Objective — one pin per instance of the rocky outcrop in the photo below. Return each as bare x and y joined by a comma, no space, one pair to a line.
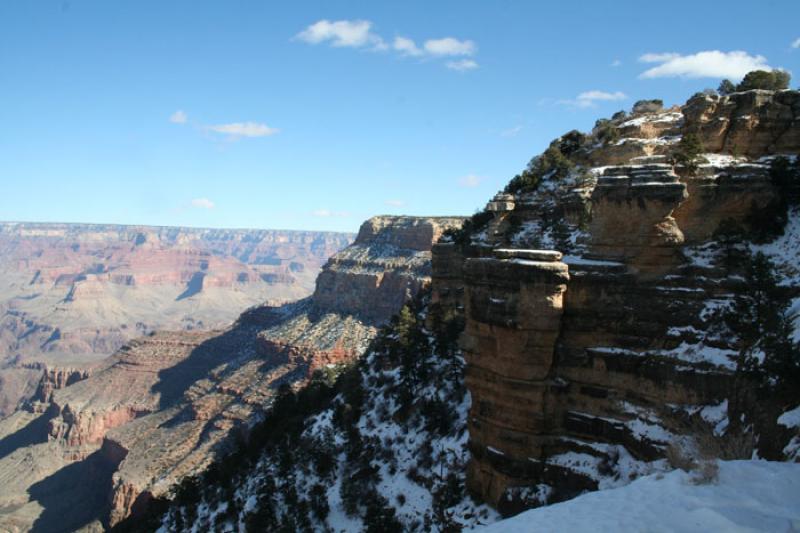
514,304
632,208
722,192
167,404
386,265
751,123
583,368
57,378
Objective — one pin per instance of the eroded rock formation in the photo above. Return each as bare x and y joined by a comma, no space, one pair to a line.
165,405
72,294
389,260
57,378
583,368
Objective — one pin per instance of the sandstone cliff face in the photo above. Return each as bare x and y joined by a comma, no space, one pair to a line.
583,368
751,123
57,378
632,216
388,262
165,405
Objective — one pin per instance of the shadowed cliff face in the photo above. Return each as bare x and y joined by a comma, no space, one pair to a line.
583,368
74,293
165,405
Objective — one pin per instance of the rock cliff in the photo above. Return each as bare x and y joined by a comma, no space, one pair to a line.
389,260
586,363
57,378
588,303
166,405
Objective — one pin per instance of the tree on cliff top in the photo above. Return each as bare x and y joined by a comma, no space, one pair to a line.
726,87
552,164
769,80
687,153
774,80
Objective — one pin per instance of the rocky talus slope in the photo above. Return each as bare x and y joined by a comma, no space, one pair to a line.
166,405
72,294
586,360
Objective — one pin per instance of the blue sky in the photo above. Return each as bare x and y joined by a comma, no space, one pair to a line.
317,115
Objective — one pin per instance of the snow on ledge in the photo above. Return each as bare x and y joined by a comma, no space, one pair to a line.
671,116
577,260
749,496
790,419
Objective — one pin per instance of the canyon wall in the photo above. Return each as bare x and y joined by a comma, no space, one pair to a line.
72,294
389,260
165,405
586,363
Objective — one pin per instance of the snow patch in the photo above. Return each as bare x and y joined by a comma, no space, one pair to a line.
749,496
790,419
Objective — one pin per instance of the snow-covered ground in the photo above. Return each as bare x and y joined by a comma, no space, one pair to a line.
785,250
785,253
749,496
355,461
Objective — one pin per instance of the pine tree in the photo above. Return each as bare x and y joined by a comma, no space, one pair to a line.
770,80
380,517
687,153
785,176
726,87
730,235
760,318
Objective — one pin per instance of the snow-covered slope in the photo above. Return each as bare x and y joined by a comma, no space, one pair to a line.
749,496
384,450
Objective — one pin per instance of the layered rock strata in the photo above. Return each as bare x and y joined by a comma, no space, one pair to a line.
584,368
57,378
388,262
514,304
167,404
72,294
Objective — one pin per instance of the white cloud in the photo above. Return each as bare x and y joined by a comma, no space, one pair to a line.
462,65
178,117
359,34
601,95
470,181
202,203
449,46
406,46
658,58
707,64
590,98
342,33
616,63
327,213
244,129
796,43
395,203
511,132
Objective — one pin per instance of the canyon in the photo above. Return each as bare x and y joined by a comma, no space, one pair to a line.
167,404
561,341
571,342
73,294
